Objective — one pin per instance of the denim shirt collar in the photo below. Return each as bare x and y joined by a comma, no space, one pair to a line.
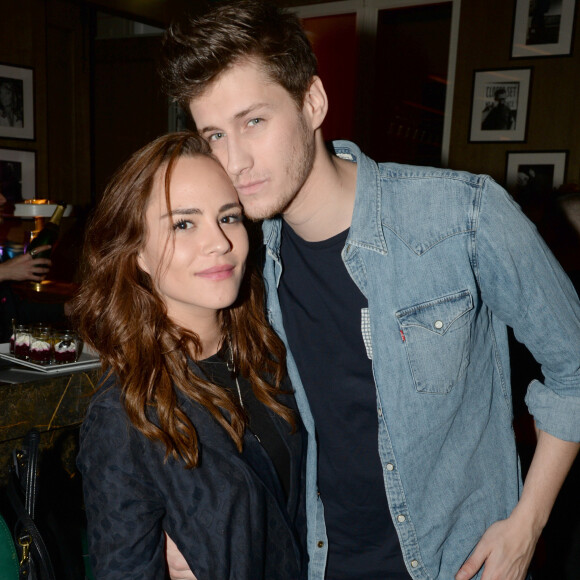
365,228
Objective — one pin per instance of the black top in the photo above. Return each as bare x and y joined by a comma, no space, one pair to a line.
322,310
259,419
228,516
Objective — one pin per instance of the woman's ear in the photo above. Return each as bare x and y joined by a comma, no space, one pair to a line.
315,103
142,263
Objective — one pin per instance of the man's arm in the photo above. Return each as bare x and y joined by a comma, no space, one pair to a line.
507,546
176,563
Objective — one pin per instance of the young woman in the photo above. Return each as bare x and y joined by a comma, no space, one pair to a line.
193,433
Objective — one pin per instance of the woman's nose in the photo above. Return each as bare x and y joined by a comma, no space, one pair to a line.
216,241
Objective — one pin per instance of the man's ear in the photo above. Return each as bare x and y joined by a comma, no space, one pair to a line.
315,103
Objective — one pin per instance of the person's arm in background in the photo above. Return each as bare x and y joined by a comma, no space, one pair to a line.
25,267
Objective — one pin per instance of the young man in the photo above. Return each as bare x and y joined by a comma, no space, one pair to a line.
392,287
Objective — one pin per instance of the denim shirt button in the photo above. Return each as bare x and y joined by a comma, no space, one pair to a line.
320,544
401,518
390,467
380,411
438,324
414,563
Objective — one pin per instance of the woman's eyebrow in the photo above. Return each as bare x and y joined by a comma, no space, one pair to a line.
233,205
182,211
197,211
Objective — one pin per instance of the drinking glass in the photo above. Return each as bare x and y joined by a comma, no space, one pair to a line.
22,339
40,345
66,347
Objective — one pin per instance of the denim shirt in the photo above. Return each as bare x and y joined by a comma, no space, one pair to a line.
446,260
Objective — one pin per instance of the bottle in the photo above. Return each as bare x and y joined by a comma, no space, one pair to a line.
49,233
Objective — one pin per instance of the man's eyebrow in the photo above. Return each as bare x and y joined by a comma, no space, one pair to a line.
237,116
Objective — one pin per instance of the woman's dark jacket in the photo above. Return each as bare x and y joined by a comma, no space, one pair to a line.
228,516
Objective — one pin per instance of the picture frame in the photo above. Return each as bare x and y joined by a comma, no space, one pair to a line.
499,107
543,28
16,102
538,171
17,174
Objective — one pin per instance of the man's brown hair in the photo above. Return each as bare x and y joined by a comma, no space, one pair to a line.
198,50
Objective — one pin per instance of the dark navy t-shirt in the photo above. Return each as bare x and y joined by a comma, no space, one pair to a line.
322,312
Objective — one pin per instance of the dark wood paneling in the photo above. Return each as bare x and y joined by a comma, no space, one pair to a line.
129,109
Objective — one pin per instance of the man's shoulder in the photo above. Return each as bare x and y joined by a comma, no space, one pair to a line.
412,178
421,174
424,205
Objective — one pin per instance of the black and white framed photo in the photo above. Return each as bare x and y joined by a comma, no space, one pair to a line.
17,174
16,102
533,173
543,28
499,107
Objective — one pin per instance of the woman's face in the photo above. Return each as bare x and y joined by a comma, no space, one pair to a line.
200,269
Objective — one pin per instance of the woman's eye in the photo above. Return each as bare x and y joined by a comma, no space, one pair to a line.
182,225
232,219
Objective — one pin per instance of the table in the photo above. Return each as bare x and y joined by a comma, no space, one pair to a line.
54,404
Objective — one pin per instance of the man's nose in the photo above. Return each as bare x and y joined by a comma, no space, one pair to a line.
239,157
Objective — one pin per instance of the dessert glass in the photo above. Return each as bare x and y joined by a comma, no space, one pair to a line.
22,337
66,347
40,345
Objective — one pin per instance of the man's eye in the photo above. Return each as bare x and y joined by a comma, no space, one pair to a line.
254,122
215,136
182,225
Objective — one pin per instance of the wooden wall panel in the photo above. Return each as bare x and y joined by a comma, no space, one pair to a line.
68,103
485,36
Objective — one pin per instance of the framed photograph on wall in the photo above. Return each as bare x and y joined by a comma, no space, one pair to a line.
543,28
17,174
499,107
16,102
532,173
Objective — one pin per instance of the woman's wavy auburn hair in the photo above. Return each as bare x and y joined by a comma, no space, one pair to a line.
119,313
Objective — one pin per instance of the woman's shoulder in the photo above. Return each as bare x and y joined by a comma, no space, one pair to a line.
105,413
107,395
107,435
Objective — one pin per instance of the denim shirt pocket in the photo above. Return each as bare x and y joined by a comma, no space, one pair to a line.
436,335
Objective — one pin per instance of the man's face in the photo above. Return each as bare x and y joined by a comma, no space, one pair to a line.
259,136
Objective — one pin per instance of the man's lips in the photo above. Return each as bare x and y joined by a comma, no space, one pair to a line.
250,187
217,272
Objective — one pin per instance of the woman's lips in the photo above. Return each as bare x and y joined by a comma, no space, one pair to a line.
217,272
